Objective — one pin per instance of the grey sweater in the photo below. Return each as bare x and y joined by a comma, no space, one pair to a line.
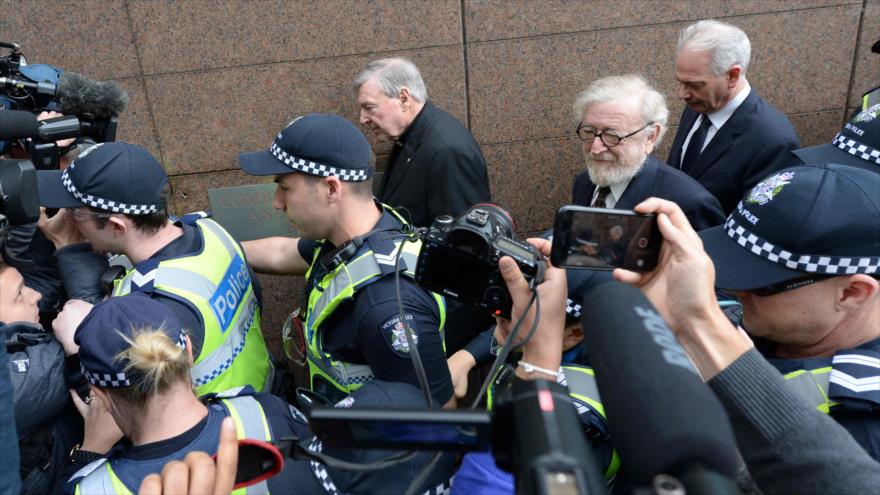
788,446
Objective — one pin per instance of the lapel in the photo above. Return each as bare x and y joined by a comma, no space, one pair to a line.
639,187
734,126
411,139
688,117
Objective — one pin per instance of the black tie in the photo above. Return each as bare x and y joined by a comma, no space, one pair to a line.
695,146
601,194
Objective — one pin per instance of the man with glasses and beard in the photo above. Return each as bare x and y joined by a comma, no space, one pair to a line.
620,119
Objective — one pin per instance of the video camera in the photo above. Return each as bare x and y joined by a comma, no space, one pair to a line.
551,456
459,258
90,108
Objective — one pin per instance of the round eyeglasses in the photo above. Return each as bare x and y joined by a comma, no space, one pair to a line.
588,135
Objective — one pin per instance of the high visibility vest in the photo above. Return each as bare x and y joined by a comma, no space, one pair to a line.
581,383
250,422
853,374
216,283
339,285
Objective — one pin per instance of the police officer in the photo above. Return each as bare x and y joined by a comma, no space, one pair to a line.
802,254
116,194
348,252
136,357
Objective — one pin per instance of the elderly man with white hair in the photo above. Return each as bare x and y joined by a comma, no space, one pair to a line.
436,167
620,119
729,137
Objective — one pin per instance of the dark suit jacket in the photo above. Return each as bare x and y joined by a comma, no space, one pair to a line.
746,149
662,181
437,169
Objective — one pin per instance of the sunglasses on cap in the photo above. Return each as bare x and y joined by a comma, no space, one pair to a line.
790,284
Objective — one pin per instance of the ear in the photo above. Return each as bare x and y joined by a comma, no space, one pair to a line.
733,75
857,290
573,336
405,98
119,225
651,141
333,188
189,350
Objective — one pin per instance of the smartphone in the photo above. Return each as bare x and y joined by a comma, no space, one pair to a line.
604,239
457,430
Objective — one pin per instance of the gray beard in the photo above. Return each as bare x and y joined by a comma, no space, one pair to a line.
604,173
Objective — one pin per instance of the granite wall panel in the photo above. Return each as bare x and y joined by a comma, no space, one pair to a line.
231,33
492,20
243,108
92,37
531,179
866,73
543,75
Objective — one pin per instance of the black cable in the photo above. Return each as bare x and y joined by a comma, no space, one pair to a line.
501,357
300,451
410,338
423,476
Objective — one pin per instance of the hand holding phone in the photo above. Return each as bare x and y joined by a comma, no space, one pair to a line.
604,239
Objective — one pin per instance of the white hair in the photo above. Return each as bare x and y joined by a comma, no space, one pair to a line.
392,75
626,87
727,43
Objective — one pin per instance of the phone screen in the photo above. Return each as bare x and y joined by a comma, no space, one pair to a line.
603,239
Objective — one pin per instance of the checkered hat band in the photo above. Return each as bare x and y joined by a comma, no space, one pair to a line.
856,148
572,308
811,263
119,379
313,168
101,203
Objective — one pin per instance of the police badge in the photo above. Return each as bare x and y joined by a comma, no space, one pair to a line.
764,192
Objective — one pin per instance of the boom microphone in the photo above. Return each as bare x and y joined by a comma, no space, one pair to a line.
78,95
663,418
17,124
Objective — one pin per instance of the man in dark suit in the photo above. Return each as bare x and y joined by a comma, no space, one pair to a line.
621,118
436,167
728,138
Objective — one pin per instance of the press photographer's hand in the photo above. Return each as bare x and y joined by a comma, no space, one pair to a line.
545,347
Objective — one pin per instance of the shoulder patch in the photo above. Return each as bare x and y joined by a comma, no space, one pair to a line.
395,335
21,365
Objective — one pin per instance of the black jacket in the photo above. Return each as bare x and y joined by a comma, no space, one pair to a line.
742,152
436,168
662,181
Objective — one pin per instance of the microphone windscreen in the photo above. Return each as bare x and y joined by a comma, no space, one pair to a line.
17,124
78,95
661,415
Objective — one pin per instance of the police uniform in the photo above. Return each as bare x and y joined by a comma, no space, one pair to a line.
352,320
203,273
201,276
845,386
257,416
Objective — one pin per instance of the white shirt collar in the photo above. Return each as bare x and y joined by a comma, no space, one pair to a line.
718,118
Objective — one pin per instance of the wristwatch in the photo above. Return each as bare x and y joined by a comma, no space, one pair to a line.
79,456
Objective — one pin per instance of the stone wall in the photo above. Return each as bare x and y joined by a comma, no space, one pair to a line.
209,79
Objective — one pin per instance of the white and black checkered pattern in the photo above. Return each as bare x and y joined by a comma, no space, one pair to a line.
811,263
856,148
313,168
119,379
572,308
106,380
101,203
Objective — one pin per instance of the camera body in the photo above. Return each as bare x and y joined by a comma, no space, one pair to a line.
459,258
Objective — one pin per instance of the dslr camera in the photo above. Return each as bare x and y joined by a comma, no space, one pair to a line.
459,258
